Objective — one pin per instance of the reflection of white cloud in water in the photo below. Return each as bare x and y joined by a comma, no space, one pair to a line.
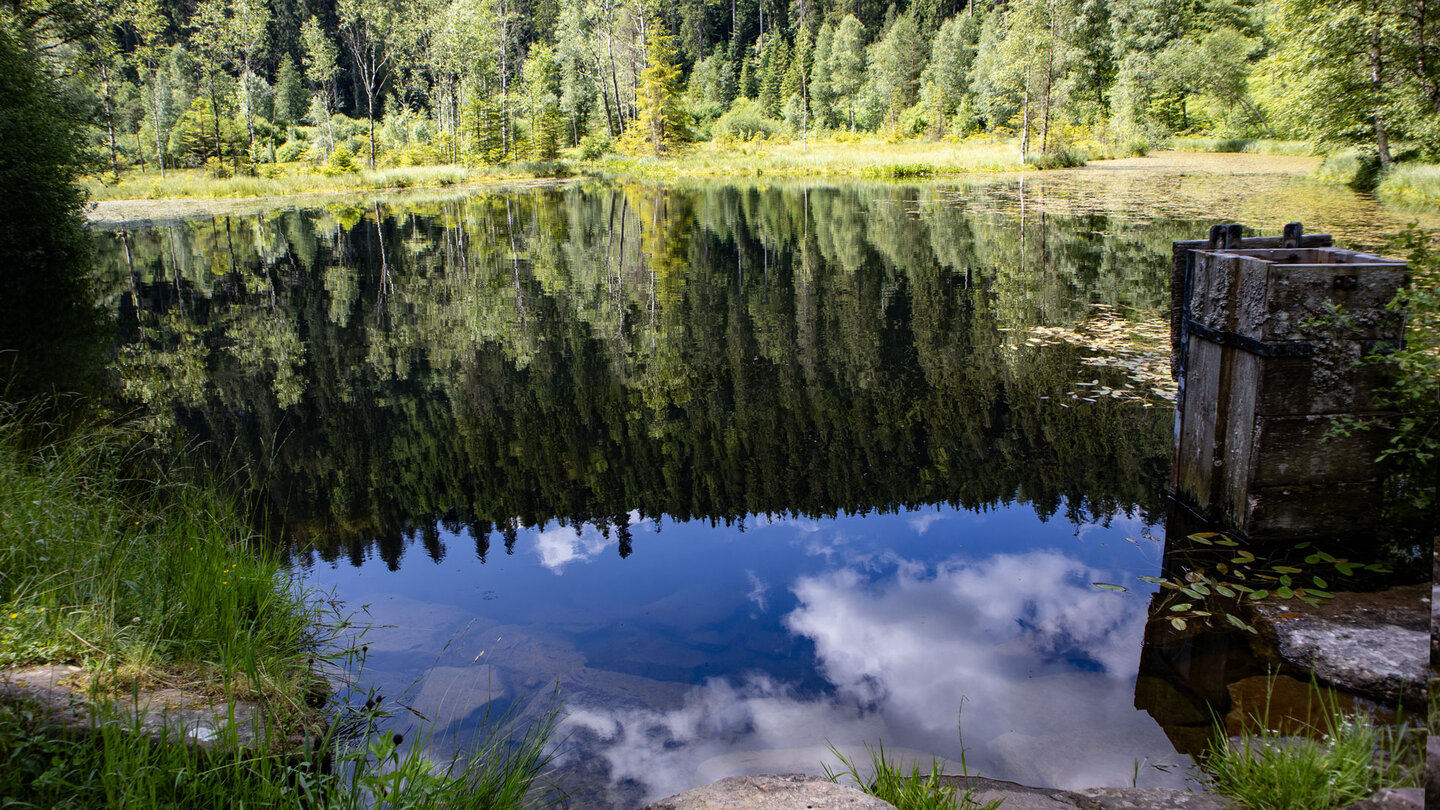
558,546
1045,662
758,589
671,751
921,523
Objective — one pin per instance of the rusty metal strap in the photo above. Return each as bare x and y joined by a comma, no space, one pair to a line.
1248,344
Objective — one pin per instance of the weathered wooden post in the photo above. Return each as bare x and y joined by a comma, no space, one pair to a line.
1269,335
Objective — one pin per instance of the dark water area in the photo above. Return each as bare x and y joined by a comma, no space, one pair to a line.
743,470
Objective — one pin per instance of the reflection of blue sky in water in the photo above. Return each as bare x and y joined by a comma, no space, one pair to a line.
712,651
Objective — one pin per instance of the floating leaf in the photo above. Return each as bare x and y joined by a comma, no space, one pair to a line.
1105,586
1285,569
1313,559
1325,557
1203,538
1200,586
1346,568
1320,593
1224,591
1284,592
1192,593
1242,557
1225,541
1286,581
1178,623
1222,568
1152,580
1182,606
1233,619
1242,588
1260,594
1319,583
1305,544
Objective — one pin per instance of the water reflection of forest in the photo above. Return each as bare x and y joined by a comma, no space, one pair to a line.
585,352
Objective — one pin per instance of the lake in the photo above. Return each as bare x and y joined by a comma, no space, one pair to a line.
742,470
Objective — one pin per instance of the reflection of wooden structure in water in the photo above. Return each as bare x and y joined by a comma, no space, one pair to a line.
1268,336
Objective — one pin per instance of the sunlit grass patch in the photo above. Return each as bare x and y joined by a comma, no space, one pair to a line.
287,178
871,158
1412,183
1258,146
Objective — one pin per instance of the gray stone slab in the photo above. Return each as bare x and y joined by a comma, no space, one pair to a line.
1373,644
1392,799
170,715
1012,796
772,792
1148,799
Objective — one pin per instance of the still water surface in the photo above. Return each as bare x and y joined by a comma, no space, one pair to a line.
742,470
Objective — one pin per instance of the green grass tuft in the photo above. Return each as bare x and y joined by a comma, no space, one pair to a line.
1270,771
912,791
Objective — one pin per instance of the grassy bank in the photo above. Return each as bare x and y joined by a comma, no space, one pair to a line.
1409,182
292,178
1255,146
1415,183
140,581
1347,761
148,580
855,158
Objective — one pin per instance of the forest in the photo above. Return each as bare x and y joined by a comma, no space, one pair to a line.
242,85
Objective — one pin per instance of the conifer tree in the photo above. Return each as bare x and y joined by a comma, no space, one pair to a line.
773,67
663,119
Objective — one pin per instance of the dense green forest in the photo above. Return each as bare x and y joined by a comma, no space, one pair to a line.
237,84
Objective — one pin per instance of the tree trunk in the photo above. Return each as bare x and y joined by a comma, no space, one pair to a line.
110,120
249,112
1377,84
1045,108
215,111
155,107
1025,123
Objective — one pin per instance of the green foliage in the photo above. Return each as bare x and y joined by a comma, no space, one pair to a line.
594,147
1411,183
51,335
743,122
1058,159
663,120
353,765
913,791
162,578
1414,447
1268,771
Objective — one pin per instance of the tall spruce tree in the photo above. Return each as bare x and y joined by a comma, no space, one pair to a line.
663,121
